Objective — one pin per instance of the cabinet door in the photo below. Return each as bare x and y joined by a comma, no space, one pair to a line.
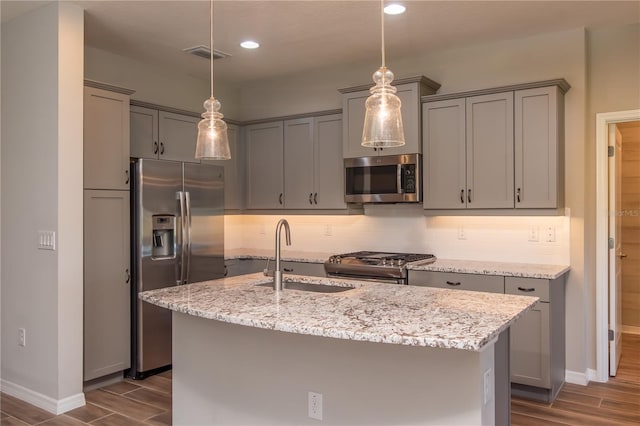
444,158
530,348
106,139
353,107
144,132
329,164
233,171
107,287
536,148
490,151
298,163
178,137
458,281
304,268
265,166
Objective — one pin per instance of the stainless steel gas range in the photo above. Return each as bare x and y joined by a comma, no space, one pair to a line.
374,265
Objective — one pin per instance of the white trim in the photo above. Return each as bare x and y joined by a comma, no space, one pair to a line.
55,406
578,378
601,374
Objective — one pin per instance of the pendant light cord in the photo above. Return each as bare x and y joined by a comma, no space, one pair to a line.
211,45
382,26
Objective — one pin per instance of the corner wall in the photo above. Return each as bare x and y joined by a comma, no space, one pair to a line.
42,190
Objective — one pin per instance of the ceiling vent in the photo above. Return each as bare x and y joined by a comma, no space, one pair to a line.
205,52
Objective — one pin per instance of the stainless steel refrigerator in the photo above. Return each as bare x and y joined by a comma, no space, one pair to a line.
177,238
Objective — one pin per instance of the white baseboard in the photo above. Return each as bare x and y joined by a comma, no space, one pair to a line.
576,377
55,406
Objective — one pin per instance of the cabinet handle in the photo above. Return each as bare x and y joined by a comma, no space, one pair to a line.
469,195
287,269
622,255
155,147
527,290
315,198
226,271
462,196
452,283
126,177
280,198
127,276
161,148
518,195
311,198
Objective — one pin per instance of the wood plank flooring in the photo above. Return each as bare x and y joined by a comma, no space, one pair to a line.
616,402
128,403
148,402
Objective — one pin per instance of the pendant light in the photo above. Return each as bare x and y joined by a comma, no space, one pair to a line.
383,119
213,142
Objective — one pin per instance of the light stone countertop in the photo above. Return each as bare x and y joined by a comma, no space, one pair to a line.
371,312
507,269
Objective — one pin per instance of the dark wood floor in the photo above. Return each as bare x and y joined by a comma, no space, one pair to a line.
148,402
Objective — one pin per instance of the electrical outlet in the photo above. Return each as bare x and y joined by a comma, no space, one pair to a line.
534,233
462,234
261,230
22,337
328,230
488,385
550,234
315,405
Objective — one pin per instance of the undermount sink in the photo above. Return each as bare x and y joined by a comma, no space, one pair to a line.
316,288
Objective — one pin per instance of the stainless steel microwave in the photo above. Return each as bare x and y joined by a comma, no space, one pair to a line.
383,179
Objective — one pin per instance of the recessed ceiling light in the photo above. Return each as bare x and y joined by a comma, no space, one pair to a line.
394,9
250,44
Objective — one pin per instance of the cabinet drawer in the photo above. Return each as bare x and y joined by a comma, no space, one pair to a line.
454,280
527,287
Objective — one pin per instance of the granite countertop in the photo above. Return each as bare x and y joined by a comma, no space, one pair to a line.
507,269
371,312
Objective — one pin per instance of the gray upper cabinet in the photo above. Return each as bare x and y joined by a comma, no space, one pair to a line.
295,164
163,135
298,163
539,148
353,111
106,139
468,152
265,165
490,151
495,150
233,171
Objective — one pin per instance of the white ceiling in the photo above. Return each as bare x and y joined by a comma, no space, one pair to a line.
301,35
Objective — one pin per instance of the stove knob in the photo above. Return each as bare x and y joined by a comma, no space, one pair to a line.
384,262
337,259
400,262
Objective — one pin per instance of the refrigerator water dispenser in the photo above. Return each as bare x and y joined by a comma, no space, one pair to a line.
164,237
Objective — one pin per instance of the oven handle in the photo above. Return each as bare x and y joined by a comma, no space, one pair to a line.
369,279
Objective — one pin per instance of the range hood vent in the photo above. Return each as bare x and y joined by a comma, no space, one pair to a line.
205,52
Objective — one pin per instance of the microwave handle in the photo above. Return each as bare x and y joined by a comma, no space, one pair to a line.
399,179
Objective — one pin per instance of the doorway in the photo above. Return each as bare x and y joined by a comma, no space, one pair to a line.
621,119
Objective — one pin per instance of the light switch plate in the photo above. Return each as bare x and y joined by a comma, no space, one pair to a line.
46,240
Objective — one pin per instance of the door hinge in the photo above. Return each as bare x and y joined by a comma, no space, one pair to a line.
611,335
612,243
611,150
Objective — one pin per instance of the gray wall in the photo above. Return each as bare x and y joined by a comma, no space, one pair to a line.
42,55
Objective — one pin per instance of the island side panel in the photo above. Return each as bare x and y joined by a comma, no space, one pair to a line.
230,374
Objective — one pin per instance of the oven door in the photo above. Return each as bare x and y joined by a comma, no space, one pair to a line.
384,179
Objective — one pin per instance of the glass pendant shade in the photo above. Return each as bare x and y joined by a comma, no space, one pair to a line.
383,119
213,142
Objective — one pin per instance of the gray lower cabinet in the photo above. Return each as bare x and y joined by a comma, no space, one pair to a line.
457,281
537,339
303,268
107,286
237,267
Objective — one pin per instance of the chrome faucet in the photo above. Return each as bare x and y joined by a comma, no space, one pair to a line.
277,273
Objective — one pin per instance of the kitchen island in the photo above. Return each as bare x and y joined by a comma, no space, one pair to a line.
378,353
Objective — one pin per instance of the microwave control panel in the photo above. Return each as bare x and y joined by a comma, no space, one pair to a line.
409,178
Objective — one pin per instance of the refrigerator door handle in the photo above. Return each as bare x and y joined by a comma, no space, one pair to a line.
187,226
183,240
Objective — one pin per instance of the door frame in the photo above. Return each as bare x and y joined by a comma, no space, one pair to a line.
602,235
